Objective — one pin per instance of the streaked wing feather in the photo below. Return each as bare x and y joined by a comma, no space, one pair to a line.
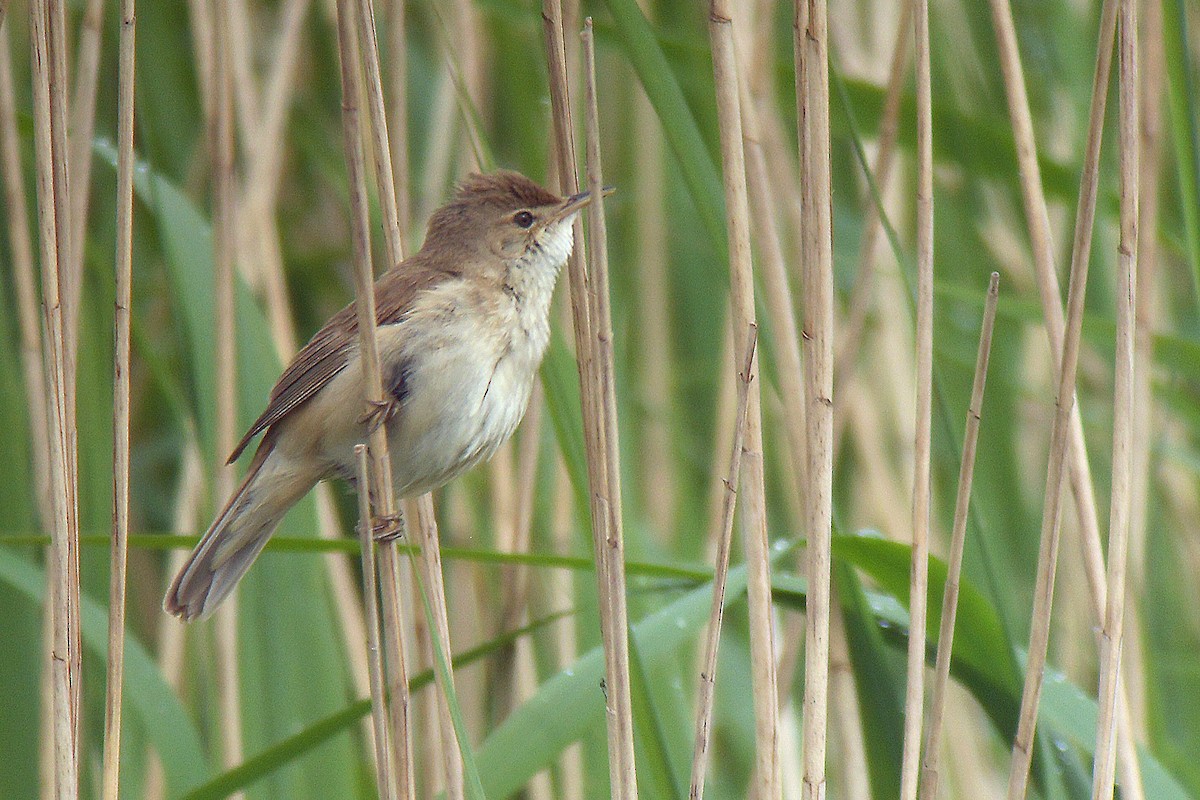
328,352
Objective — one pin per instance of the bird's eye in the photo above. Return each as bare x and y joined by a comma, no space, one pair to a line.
523,219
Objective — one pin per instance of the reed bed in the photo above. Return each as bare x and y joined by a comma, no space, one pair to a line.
760,328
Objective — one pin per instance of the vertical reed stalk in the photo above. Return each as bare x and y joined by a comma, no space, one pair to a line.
83,124
115,679
766,781
918,592
384,775
658,468
962,505
1111,641
1038,221
712,638
603,504
398,127
431,574
1060,432
221,144
54,231
351,80
394,252
605,389
812,97
24,282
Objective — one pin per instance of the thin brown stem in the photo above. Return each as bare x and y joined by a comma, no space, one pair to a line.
812,97
53,231
384,775
1111,635
351,79
115,679
918,592
712,638
966,475
1060,432
766,781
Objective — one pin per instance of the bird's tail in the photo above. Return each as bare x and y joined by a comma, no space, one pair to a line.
236,537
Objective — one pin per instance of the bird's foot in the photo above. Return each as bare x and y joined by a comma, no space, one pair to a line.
387,528
379,413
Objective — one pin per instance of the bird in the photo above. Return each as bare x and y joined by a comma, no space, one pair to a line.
461,326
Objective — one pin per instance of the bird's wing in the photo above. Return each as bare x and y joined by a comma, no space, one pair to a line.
329,350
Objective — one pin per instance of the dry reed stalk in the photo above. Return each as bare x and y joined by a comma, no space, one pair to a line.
889,128
712,638
847,717
83,123
1153,68
778,293
1022,745
1111,641
378,129
384,774
23,278
430,564
962,504
605,388
722,432
398,126
561,594
53,227
435,587
918,592
812,97
607,544
224,223
1037,219
766,780
115,678
351,79
657,467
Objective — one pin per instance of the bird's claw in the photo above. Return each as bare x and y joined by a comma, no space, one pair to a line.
387,528
379,413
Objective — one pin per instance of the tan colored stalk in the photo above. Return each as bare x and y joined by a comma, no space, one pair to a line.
200,27
962,505
1111,641
778,293
918,591
426,521
1153,68
83,123
384,775
378,129
766,780
657,467
847,717
23,278
712,638
115,677
605,388
812,96
561,593
398,126
430,563
383,493
722,432
604,503
1037,218
53,231
1063,428
221,145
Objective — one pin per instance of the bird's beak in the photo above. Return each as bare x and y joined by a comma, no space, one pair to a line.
577,201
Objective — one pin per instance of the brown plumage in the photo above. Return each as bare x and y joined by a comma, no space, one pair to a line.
462,327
